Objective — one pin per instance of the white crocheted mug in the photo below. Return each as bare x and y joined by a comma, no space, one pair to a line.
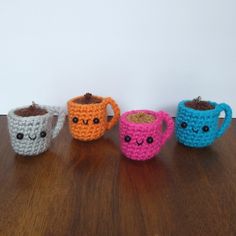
33,135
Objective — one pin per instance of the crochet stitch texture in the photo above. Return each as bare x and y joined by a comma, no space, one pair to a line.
89,121
144,140
195,128
33,135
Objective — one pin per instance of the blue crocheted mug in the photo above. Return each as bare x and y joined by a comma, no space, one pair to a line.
200,128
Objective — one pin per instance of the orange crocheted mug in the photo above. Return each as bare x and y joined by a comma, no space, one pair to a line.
88,120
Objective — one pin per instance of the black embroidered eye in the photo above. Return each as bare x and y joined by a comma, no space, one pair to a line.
127,139
184,125
205,128
43,134
96,120
20,136
75,120
149,140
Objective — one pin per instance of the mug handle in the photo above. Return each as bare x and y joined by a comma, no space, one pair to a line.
169,126
228,117
61,113
116,110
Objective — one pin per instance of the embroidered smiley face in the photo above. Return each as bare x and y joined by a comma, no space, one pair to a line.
32,137
195,129
87,125
86,121
141,144
36,133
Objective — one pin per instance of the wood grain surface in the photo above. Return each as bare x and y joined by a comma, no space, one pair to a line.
79,188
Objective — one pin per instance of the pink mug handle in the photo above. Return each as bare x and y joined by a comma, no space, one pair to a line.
169,126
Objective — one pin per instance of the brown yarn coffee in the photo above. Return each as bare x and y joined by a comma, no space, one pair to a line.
88,98
141,117
197,104
32,110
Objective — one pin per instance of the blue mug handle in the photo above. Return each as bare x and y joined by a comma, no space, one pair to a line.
228,117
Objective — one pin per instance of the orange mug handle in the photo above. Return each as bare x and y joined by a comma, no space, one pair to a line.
116,110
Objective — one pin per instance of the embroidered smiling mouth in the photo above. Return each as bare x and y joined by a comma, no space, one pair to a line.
139,143
32,138
85,122
195,130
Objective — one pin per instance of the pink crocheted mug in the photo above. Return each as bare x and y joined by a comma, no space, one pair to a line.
142,141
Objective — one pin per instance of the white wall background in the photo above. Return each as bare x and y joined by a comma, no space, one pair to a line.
144,53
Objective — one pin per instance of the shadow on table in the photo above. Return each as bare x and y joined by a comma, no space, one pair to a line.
192,163
145,176
93,153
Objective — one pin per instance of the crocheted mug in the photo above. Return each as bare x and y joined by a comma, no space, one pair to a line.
142,141
89,121
32,135
199,128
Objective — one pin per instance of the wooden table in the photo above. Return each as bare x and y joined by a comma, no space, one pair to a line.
83,189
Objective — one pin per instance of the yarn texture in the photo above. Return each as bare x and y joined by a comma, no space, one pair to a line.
33,135
144,140
89,121
196,128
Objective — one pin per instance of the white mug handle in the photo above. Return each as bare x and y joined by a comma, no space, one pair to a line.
61,113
